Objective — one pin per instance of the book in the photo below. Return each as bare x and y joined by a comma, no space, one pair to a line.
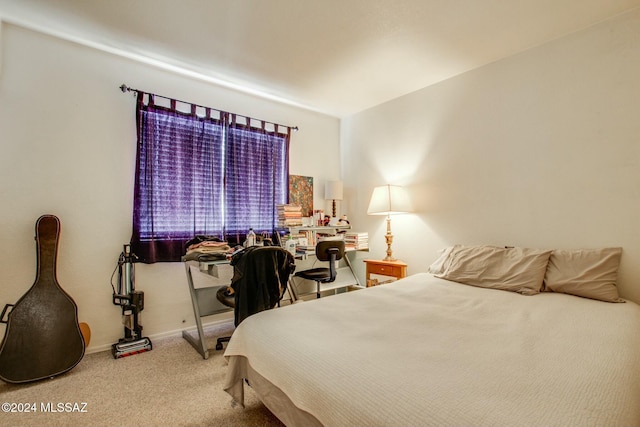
356,240
289,215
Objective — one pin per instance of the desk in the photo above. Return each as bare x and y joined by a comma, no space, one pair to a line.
345,278
205,303
397,269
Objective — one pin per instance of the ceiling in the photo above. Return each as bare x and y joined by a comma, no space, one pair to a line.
333,56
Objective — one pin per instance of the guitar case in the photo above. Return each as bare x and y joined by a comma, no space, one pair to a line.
42,338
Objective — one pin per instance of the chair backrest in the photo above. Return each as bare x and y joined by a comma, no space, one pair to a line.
326,248
260,278
332,251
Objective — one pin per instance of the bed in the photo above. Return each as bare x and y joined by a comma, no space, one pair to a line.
427,350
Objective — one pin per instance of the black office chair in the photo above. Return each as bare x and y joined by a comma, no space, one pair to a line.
260,279
327,250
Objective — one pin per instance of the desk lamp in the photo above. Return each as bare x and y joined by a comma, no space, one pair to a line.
333,191
389,200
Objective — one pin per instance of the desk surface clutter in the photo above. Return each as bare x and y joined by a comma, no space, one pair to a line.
206,255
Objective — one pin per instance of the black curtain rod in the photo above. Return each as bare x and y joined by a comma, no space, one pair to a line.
124,88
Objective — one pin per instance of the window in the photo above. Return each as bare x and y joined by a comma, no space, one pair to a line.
203,175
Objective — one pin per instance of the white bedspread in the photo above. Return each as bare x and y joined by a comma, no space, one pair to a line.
425,351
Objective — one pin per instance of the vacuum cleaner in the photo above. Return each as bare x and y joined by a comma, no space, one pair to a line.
132,303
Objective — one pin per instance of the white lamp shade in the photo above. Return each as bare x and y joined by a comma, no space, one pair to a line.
389,200
333,190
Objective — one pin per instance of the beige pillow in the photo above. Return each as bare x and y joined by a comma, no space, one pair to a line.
513,269
441,263
589,273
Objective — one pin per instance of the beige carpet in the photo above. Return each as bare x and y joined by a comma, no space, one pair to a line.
172,385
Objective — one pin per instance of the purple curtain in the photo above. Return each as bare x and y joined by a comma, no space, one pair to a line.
183,161
257,165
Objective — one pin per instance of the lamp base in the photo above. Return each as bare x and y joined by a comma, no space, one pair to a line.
389,239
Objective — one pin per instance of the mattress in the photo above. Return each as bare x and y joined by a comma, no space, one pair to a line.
427,351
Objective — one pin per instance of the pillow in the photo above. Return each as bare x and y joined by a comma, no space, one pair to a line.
439,265
589,273
519,270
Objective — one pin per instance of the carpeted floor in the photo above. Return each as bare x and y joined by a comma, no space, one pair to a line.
172,385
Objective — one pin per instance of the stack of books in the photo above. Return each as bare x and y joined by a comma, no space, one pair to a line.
306,237
289,216
305,249
354,240
304,246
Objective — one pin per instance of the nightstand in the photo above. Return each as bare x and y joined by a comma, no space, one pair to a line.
397,269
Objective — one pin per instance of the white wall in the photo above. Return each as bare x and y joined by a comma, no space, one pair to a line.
67,138
540,149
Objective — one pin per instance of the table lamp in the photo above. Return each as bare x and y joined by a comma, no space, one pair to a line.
389,200
333,191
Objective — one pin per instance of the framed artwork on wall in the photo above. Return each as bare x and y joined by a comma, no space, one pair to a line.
301,193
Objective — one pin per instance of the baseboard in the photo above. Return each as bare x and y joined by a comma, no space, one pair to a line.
167,334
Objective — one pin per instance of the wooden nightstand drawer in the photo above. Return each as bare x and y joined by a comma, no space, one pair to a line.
385,270
397,269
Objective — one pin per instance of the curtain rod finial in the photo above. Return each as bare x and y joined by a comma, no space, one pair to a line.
124,88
